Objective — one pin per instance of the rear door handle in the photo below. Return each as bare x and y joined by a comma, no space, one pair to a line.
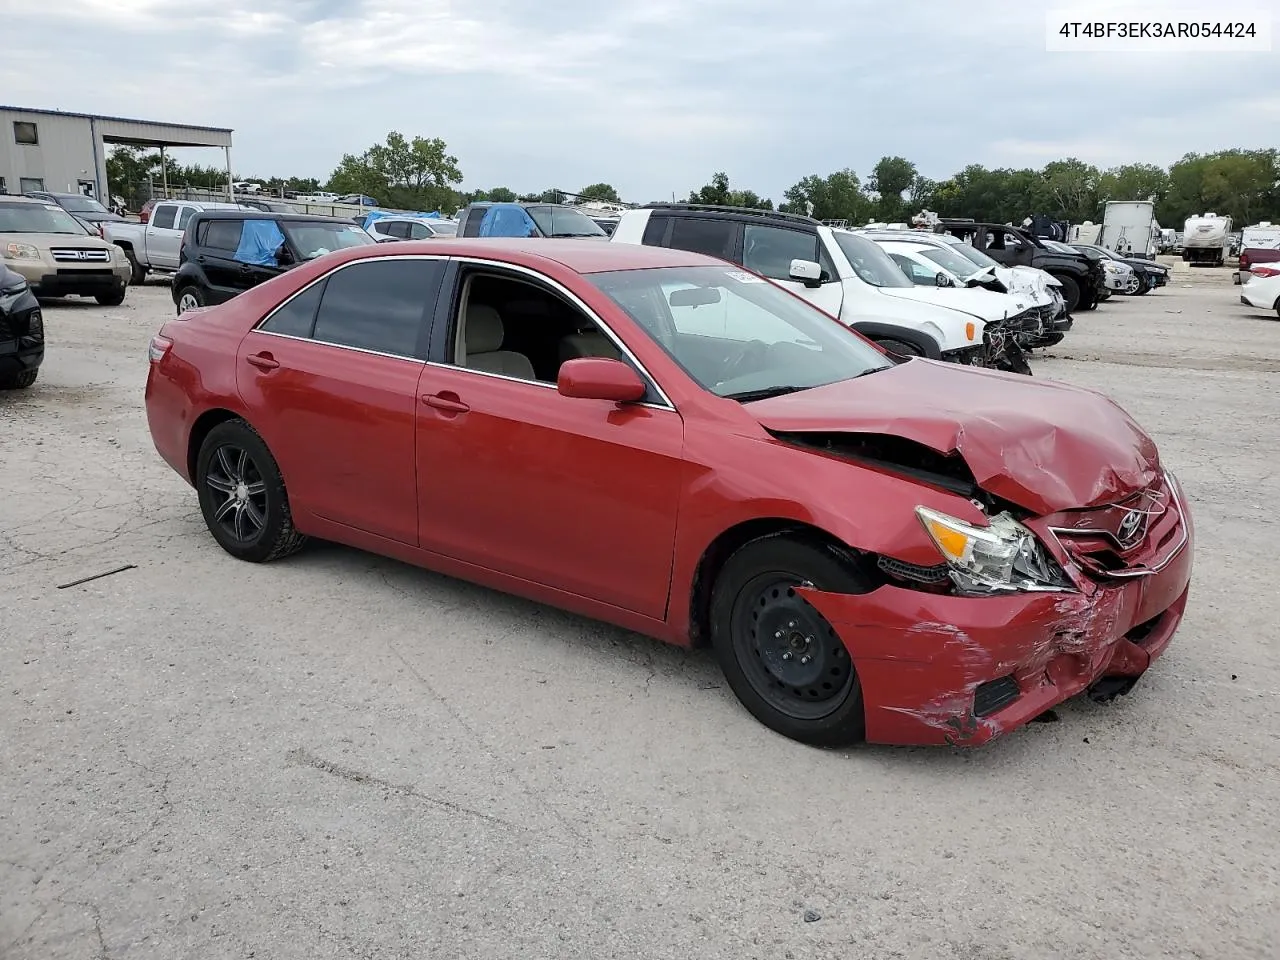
448,404
263,361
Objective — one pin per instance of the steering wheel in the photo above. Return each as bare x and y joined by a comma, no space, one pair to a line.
739,363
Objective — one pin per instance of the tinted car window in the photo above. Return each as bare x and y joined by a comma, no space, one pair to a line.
222,235
187,213
420,231
655,231
379,305
712,237
770,250
164,216
297,317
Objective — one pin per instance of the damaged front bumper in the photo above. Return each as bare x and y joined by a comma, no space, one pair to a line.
962,670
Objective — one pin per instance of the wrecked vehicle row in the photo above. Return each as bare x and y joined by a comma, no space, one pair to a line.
875,546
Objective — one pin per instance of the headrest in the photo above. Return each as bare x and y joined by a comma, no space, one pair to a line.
483,331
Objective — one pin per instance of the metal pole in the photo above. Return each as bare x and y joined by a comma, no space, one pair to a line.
231,193
164,173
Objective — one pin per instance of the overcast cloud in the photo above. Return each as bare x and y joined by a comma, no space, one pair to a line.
652,96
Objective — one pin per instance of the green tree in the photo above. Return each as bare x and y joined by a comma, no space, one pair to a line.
496,195
128,168
891,178
418,173
837,196
1071,185
719,193
600,191
1134,181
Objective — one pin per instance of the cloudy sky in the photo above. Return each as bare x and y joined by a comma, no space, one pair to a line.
652,96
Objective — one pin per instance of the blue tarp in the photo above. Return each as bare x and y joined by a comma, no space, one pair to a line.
379,214
507,220
259,241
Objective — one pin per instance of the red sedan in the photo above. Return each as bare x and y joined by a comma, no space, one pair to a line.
897,550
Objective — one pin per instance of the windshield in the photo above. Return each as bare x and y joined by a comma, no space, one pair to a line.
737,335
952,260
870,262
77,204
564,222
972,254
316,239
38,218
1059,247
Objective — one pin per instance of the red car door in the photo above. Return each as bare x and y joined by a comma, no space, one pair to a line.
578,495
330,381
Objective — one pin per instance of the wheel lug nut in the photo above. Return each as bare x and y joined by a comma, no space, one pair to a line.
792,624
787,655
805,659
778,635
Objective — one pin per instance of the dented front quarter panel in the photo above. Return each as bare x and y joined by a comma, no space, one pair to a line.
920,657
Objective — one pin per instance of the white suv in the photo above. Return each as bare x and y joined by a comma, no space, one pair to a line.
844,274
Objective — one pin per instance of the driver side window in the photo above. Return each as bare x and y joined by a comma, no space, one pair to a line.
914,271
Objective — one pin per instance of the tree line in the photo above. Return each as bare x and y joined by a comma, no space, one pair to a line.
419,173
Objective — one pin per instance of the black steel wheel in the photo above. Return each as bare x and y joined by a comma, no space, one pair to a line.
781,657
242,495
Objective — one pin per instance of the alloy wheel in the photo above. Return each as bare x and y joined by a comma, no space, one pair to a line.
239,493
187,302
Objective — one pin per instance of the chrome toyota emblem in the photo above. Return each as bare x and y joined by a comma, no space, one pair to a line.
1130,528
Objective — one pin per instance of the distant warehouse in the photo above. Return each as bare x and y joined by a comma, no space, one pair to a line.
61,152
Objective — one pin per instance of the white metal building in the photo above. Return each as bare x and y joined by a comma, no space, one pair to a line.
67,152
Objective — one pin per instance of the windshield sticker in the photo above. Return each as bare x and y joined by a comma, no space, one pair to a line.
742,277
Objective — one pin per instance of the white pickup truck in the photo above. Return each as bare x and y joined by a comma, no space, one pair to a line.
153,247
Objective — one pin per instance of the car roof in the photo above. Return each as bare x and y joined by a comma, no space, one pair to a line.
254,214
14,198
579,255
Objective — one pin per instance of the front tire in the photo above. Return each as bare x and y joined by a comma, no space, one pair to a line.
137,272
780,656
242,495
112,299
900,348
1070,292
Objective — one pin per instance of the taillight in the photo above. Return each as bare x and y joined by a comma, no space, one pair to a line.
1244,260
144,216
1265,272
158,347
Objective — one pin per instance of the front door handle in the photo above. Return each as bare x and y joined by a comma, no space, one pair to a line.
263,361
245,268
446,402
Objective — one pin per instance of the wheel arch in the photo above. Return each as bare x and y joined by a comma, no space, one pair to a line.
201,428
873,330
729,541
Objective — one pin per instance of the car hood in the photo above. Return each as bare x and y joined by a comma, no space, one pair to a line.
975,301
46,240
1043,445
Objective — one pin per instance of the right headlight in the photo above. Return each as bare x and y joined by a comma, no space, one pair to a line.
1000,557
21,251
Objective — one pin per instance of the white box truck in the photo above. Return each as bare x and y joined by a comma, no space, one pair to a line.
1087,232
1206,239
1129,228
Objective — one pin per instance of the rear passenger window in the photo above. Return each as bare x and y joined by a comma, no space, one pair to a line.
297,317
379,305
164,216
222,235
420,231
655,231
712,237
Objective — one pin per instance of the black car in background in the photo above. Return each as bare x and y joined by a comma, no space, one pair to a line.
1149,273
225,252
1082,280
85,209
21,332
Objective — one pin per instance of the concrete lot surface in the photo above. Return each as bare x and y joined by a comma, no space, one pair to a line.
342,756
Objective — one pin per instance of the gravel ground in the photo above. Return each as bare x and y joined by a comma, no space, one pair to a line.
342,756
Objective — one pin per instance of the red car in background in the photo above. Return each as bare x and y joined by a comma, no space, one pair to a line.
901,551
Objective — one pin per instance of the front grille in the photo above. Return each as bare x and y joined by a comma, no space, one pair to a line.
79,255
1133,537
913,571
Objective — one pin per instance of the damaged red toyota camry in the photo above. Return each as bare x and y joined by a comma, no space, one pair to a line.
900,551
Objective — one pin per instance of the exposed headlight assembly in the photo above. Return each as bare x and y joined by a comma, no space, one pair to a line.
1001,557
21,251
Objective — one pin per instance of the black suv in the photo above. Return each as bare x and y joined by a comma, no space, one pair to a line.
1082,280
225,252
21,332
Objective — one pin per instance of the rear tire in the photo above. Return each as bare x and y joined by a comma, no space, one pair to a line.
242,495
1070,292
19,381
780,656
190,297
